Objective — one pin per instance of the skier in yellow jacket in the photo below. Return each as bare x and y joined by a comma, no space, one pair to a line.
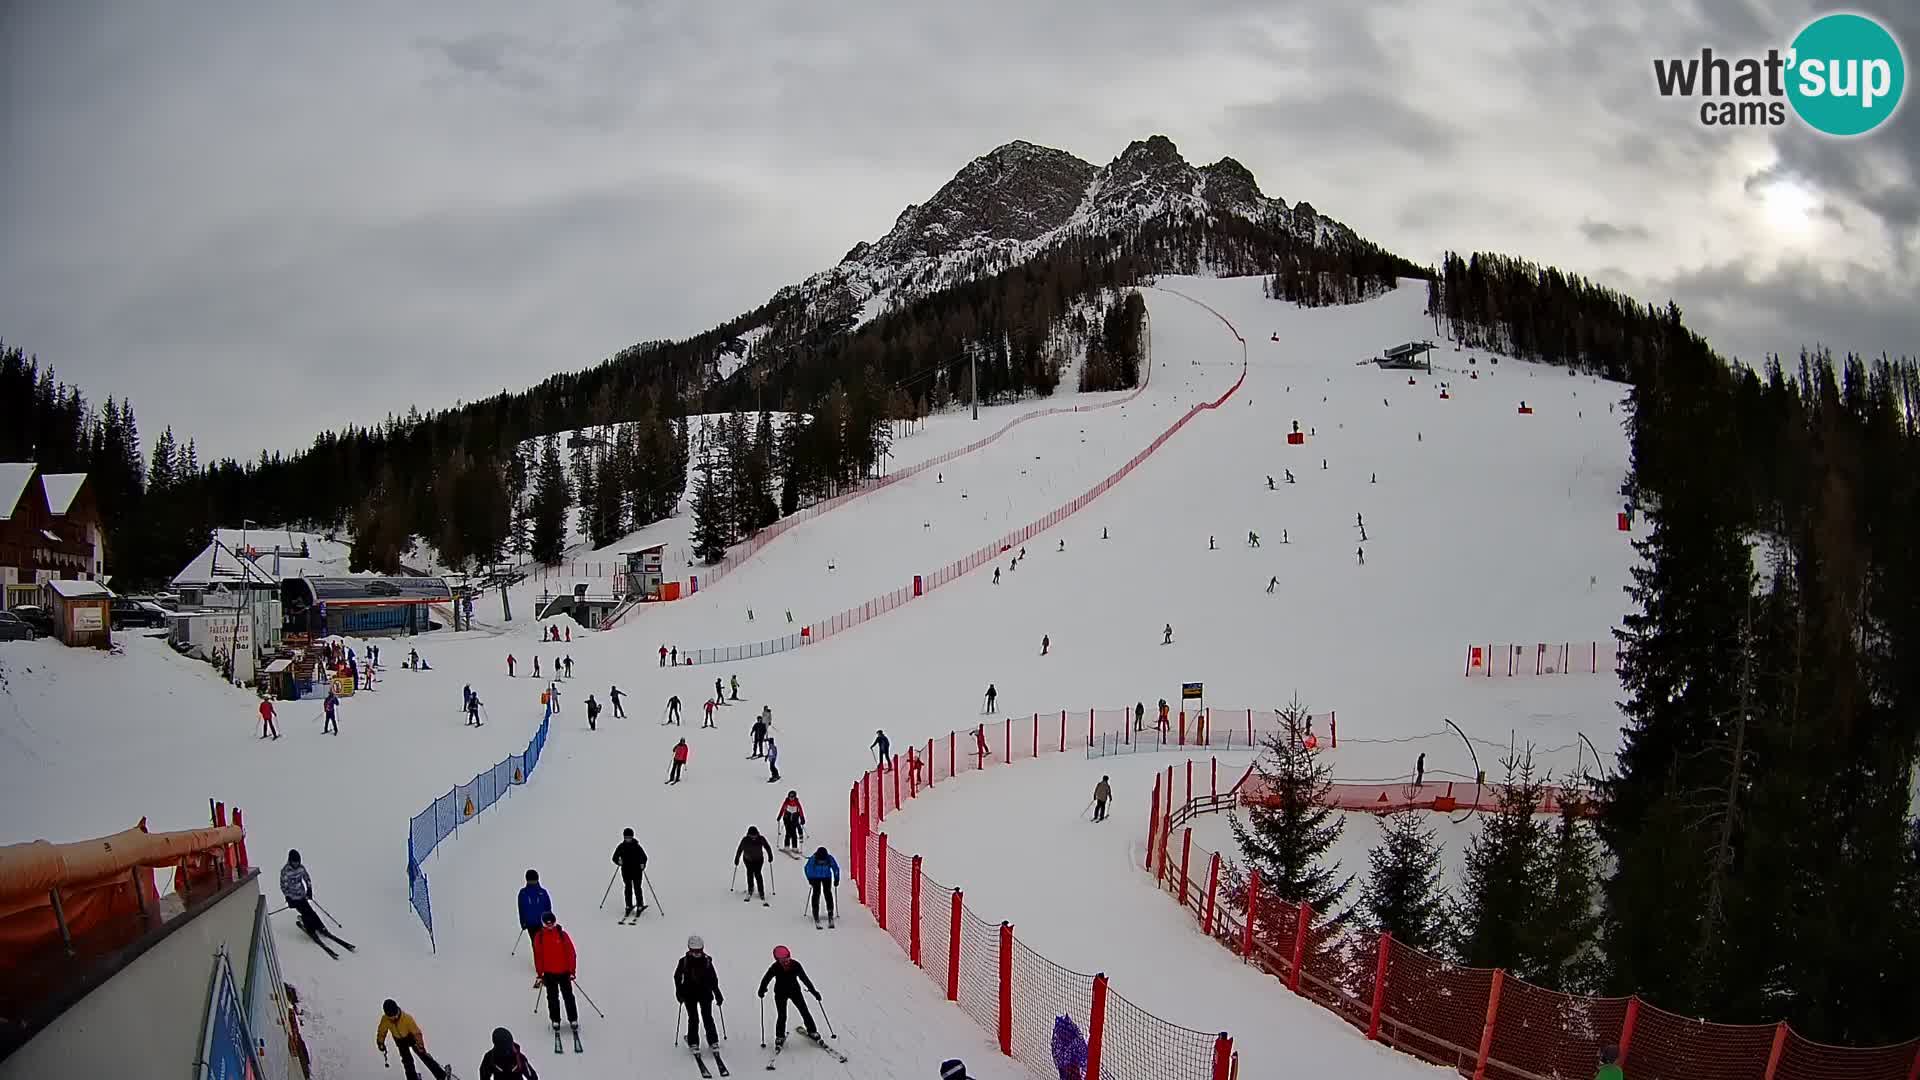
409,1038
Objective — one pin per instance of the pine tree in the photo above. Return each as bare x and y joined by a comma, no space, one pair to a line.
585,490
550,501
1567,940
1505,875
1403,894
1287,835
710,536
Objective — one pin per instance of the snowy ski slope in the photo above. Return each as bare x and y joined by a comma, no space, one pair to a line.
1483,526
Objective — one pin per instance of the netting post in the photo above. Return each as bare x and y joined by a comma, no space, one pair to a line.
1633,1017
896,783
952,737
1486,1031
1036,734
1186,852
1213,784
1249,729
1379,987
1153,820
1222,1056
1006,989
1183,726
913,912
856,849
1299,944
1090,745
1096,1025
1333,727
879,792
1779,1047
1253,912
880,912
1006,739
932,765
953,948
1213,889
1189,782
1063,731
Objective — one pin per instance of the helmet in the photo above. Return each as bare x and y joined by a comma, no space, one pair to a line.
293,856
550,919
753,830
502,1039
695,943
390,1007
533,875
781,952
628,833
953,1069
793,794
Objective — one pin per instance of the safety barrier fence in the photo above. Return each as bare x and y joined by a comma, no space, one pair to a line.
448,812
925,583
708,576
1543,658
1481,1022
1015,994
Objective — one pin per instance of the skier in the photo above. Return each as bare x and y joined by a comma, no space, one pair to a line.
569,662
1103,532
534,903
1283,537
673,654
593,713
696,985
1139,714
709,721
663,656
773,761
1063,545
1209,543
631,858
980,742
1360,553
1045,644
408,1039
1420,770
1271,582
1289,473
759,730
1163,716
1610,1064
1102,795
569,639
331,707
996,575
556,962
614,695
821,869
680,755
267,727
753,850
1166,635
296,887
510,673
1253,539
787,976
673,709
505,1061
473,711
880,743
733,684
1269,482
792,819
992,694
536,665
719,692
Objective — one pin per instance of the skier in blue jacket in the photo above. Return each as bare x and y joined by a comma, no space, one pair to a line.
822,871
534,903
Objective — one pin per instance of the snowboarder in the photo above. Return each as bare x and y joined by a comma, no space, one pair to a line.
773,761
673,709
505,1061
267,727
534,903
733,684
696,985
980,743
473,710
1139,714
331,707
822,869
407,1038
759,730
1163,725
1166,635
1103,532
1253,539
1359,521
1271,582
680,755
1373,478
709,720
1283,537
614,695
593,713
510,673
1289,473
296,887
753,850
787,976
1045,644
569,639
792,818
880,743
556,962
1420,770
1102,795
992,695
1063,545
631,858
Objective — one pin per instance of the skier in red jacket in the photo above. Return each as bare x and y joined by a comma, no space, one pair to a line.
680,755
792,820
555,960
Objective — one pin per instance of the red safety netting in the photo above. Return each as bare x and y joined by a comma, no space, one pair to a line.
1141,1046
900,900
980,970
936,926
1043,990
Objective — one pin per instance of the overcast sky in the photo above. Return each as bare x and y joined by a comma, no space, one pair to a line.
262,219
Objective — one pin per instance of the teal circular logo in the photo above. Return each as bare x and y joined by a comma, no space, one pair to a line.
1847,74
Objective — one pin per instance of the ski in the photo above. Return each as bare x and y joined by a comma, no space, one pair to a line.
822,1044
721,1063
777,1047
557,1048
342,942
702,1062
577,1048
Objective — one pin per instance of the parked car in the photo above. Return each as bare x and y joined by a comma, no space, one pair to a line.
14,628
35,616
126,611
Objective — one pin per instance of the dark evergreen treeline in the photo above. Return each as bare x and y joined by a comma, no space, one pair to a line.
1519,308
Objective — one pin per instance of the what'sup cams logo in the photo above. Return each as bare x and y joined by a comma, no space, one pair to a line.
1843,75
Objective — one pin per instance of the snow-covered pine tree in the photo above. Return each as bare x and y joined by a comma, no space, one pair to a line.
1288,838
1403,894
710,536
1496,914
550,501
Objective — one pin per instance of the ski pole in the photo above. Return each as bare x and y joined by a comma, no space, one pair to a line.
763,1022
275,911
733,882
516,942
824,1016
1084,812
589,997
723,1021
648,879
535,1011
328,914
384,1063
609,889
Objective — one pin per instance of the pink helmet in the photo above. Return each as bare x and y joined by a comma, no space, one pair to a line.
781,952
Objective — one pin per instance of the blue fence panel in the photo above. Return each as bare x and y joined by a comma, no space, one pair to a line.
421,834
422,902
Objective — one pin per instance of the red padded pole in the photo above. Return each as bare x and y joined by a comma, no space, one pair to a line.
914,914
1006,989
881,912
1222,1057
1186,853
1486,1032
1379,986
1779,1047
1213,891
1096,1026
1253,912
953,948
1299,946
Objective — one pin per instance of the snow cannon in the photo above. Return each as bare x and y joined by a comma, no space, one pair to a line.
1294,437
1526,409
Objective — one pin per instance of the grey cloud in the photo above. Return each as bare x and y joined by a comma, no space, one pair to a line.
1353,117
491,55
1606,232
1750,314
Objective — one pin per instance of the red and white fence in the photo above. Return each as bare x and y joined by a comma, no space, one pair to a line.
1543,658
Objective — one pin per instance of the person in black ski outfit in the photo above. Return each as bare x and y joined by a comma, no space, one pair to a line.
505,1061
631,858
753,850
614,695
787,976
696,985
296,887
673,709
884,747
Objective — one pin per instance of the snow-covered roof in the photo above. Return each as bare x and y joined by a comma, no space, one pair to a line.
14,478
218,563
61,489
268,539
70,589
